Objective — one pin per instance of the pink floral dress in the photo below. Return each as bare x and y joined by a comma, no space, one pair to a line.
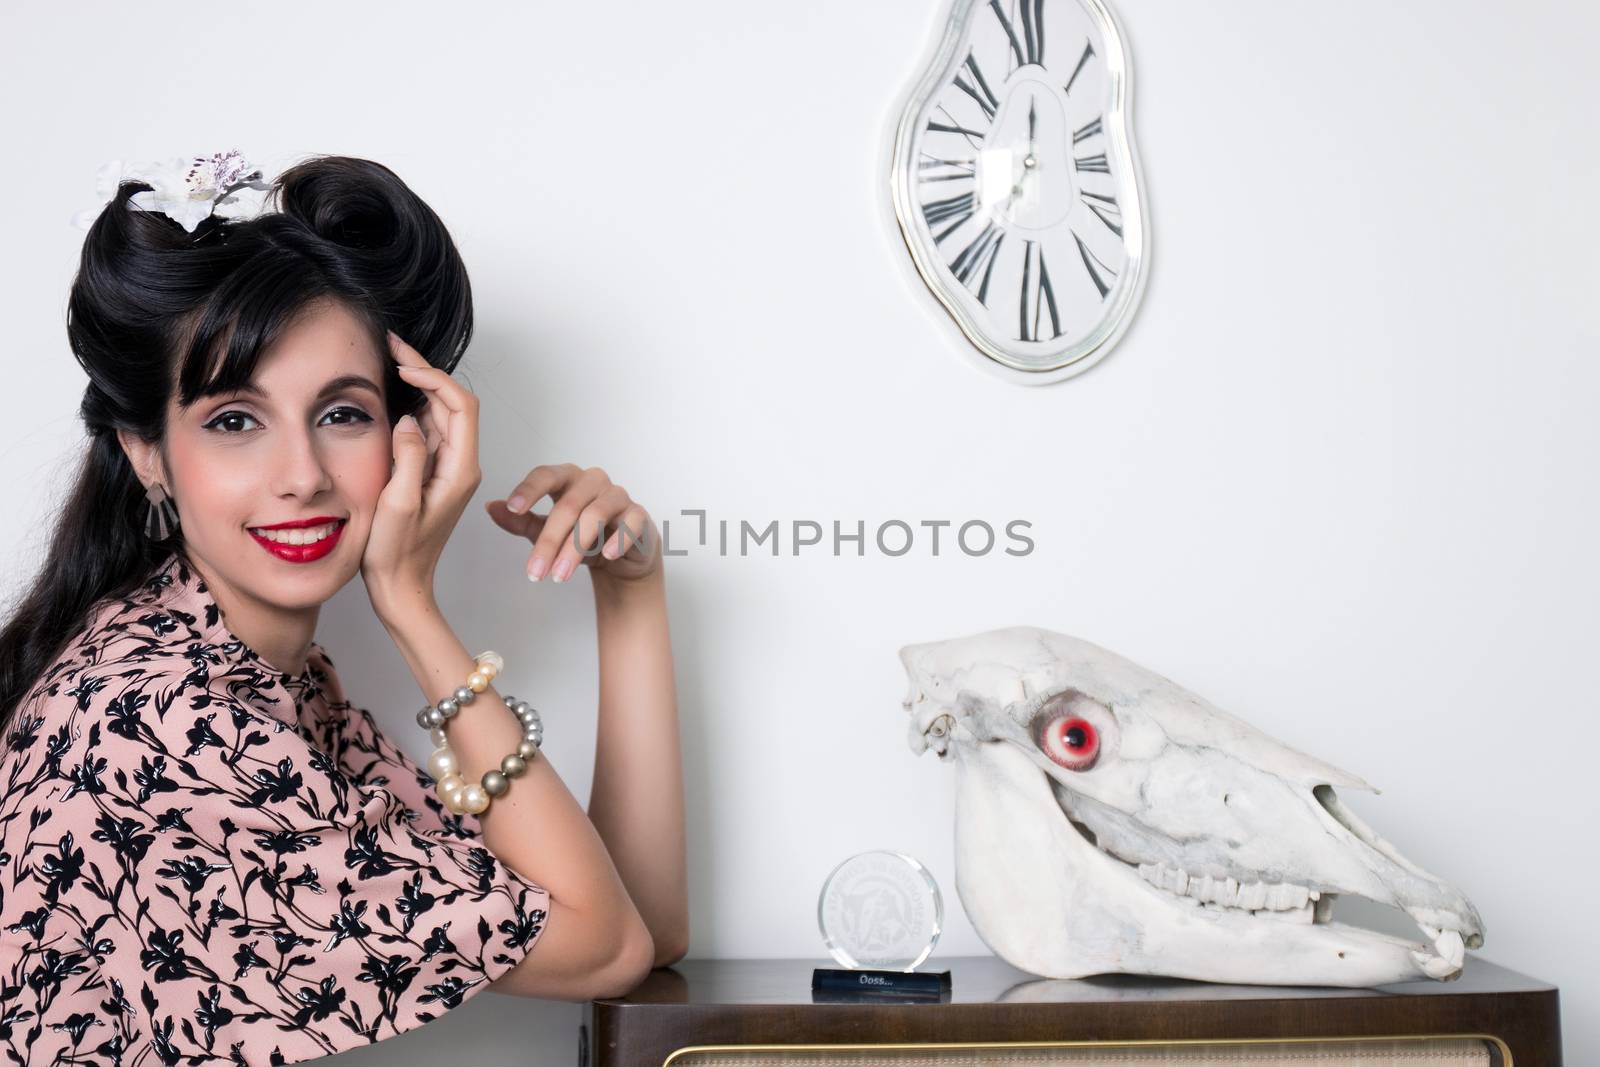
205,860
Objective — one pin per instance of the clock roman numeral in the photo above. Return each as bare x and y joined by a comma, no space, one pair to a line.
940,127
1090,262
1088,50
959,208
1039,293
1105,209
981,253
950,170
1087,131
1030,49
982,94
1092,164
974,137
1033,30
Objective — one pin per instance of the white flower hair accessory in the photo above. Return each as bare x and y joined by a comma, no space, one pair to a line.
186,191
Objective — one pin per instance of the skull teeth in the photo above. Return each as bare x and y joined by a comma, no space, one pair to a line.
1287,902
1448,944
1280,900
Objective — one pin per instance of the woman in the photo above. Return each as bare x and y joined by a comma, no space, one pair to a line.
207,853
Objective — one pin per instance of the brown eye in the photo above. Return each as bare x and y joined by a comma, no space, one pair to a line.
229,417
355,416
1070,740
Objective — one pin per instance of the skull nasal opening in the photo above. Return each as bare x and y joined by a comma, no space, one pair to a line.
1342,815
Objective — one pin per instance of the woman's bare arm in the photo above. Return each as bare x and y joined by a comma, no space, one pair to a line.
636,802
595,943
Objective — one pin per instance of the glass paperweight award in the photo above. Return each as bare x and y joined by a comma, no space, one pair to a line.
880,915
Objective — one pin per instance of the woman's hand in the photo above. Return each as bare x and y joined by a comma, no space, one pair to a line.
435,474
585,503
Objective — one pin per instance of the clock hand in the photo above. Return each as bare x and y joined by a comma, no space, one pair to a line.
1030,161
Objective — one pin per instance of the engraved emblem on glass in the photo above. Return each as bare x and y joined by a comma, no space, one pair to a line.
880,910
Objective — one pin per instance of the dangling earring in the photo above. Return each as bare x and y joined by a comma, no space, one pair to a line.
161,517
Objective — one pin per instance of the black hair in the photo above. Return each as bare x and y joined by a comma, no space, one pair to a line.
155,308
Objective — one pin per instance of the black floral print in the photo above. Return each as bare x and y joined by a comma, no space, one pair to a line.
207,860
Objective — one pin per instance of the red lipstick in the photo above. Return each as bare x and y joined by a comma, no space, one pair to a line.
301,553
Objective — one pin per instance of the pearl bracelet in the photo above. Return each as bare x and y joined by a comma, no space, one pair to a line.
454,792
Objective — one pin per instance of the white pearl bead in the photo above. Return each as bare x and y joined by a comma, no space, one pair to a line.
450,783
477,681
436,735
491,663
455,800
442,761
474,799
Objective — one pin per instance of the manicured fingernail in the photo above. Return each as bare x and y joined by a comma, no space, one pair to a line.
516,503
563,570
537,570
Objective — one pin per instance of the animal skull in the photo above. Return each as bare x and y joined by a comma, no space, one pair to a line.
1109,821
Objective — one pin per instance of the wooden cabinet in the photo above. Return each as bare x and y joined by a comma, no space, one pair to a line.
755,1013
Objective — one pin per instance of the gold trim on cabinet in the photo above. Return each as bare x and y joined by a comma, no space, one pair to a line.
1504,1050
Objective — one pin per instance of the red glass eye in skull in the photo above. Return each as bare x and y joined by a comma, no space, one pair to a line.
1070,740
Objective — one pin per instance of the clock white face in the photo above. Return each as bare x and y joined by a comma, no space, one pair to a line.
1016,185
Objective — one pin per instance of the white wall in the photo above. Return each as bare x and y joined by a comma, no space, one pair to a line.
1338,477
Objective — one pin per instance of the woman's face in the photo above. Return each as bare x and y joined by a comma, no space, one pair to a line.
312,443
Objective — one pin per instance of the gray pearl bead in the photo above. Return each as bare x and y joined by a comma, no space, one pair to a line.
495,783
448,708
528,750
434,718
422,718
513,766
523,708
529,720
464,695
510,701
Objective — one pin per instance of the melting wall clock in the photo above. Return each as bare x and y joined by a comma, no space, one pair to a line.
1016,185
